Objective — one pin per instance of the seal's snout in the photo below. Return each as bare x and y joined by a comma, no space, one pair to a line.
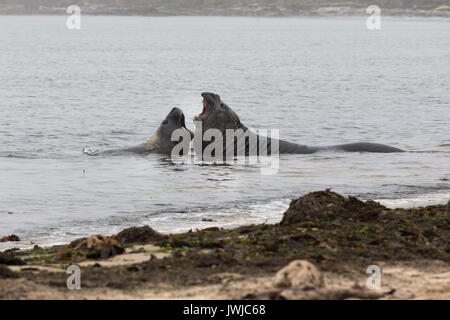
183,125
182,121
175,112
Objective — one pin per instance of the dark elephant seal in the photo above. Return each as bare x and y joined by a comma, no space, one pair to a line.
217,115
161,140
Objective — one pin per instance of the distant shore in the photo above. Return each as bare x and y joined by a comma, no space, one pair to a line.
333,238
252,10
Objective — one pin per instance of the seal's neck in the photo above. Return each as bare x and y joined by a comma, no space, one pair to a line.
152,143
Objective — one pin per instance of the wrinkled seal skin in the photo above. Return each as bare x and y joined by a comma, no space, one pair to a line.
216,114
160,142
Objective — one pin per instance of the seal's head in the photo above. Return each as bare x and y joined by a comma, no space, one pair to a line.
162,139
216,114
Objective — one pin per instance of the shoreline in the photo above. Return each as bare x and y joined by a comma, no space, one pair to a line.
420,200
340,236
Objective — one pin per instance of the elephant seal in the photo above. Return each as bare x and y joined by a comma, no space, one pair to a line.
218,115
161,140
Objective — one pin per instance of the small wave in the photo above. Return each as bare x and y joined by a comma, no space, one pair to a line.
431,151
127,132
428,199
89,151
19,155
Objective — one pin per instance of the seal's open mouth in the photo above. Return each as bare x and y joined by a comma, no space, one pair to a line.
205,110
183,125
182,122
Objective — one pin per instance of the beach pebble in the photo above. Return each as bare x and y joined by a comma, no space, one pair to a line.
299,273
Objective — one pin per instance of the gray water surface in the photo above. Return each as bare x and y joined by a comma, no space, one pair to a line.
320,81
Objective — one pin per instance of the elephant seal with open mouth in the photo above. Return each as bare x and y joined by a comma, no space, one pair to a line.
160,142
217,115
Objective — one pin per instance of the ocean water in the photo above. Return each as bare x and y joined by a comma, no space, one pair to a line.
319,80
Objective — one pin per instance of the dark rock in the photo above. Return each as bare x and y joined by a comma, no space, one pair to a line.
143,234
30,269
12,237
6,272
206,261
328,205
135,268
10,260
211,229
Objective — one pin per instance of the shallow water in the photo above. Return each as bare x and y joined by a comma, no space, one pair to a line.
319,80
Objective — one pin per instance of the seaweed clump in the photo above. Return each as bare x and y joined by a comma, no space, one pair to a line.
143,234
327,205
10,260
94,247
